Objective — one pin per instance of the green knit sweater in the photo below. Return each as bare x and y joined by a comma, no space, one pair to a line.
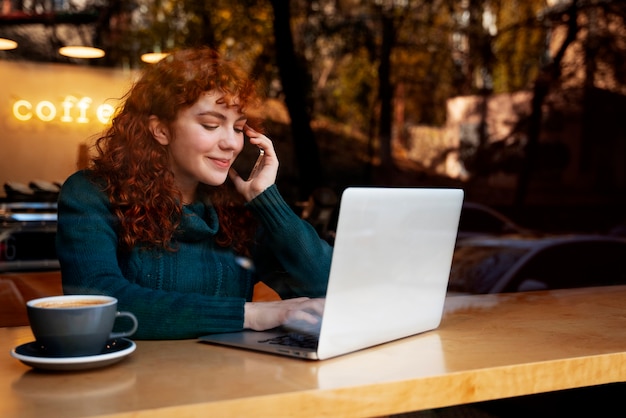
199,289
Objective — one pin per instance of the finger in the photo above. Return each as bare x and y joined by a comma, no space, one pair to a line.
235,177
251,134
297,318
263,143
260,140
233,174
314,306
250,131
295,301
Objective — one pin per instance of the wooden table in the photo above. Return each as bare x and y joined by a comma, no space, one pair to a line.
488,347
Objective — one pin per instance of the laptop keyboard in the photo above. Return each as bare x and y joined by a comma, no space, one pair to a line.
294,339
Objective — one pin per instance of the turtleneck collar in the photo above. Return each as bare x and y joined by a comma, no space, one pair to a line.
199,222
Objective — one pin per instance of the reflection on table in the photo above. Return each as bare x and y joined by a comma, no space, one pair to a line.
488,347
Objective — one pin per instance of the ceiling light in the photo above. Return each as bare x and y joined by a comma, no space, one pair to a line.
153,57
6,44
81,52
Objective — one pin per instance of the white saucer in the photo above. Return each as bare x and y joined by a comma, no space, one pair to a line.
115,351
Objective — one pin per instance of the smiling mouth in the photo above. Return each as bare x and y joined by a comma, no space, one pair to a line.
221,162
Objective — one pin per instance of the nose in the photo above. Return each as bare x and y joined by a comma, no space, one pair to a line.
231,140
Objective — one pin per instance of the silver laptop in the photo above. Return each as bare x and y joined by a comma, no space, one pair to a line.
388,278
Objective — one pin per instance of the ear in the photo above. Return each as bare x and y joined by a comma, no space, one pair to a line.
159,130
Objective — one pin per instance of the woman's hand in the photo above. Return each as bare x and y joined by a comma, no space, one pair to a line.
260,316
266,175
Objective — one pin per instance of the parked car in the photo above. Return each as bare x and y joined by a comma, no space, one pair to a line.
480,220
514,263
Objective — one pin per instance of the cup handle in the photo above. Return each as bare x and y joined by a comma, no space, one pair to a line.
128,333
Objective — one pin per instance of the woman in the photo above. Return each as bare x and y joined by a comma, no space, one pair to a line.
162,222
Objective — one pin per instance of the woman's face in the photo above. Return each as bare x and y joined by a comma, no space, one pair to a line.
205,140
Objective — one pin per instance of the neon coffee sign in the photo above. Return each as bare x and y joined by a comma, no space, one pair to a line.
71,110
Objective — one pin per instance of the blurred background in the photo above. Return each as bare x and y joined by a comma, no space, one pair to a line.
520,103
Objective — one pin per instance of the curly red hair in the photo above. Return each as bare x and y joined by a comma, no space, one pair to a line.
135,167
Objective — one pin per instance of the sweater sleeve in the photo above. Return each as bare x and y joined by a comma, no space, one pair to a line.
292,244
87,247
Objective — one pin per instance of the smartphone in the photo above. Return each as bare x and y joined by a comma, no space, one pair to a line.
249,161
257,164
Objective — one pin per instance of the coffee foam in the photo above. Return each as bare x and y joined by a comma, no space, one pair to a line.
75,303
